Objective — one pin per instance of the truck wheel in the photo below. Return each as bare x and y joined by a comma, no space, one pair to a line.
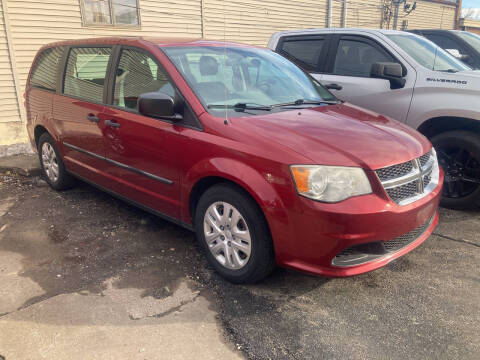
52,165
234,233
459,155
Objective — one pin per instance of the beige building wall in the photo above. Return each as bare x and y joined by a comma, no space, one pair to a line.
431,15
364,14
33,23
26,25
470,25
253,22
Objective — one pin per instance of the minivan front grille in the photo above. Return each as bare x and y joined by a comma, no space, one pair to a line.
395,171
403,192
410,181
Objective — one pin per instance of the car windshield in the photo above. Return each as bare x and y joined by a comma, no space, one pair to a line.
427,54
243,78
472,39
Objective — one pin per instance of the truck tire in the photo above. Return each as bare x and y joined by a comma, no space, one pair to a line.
459,155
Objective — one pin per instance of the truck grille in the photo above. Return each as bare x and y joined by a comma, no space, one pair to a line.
410,181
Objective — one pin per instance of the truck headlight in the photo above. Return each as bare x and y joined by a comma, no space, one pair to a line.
330,183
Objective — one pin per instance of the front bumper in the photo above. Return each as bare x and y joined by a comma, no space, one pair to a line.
319,232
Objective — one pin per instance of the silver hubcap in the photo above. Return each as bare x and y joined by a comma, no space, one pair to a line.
227,235
49,162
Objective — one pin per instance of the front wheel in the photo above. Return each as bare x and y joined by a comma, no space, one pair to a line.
52,164
459,155
234,233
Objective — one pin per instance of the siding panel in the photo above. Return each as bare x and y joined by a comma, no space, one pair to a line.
38,22
8,96
253,21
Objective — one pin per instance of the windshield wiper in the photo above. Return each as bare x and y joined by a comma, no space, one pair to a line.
307,102
240,107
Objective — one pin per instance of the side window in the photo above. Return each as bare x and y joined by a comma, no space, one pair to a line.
448,44
305,53
44,75
137,73
355,58
85,73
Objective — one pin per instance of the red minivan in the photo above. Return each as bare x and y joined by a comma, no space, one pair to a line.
237,144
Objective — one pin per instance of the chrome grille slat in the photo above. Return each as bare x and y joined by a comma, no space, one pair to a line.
406,182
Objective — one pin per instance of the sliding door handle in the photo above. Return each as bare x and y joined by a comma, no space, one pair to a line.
93,118
112,124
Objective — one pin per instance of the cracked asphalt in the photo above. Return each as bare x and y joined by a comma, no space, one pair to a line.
85,275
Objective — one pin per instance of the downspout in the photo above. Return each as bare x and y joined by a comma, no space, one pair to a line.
201,19
458,13
13,63
344,14
329,14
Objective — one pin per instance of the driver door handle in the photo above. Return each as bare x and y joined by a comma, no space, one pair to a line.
333,86
112,124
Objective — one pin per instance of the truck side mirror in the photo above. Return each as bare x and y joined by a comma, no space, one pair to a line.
392,72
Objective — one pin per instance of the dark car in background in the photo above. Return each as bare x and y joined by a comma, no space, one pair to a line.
464,45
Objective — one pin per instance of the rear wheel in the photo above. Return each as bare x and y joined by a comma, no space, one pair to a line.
459,155
234,233
52,164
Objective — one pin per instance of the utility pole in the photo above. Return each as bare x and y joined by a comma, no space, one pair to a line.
396,4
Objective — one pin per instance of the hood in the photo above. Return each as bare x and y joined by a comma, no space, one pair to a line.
342,135
474,73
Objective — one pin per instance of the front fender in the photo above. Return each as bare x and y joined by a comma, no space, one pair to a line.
430,103
261,186
245,176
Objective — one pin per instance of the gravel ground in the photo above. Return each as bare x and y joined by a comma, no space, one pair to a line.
424,305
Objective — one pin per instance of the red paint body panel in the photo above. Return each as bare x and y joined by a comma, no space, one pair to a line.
254,152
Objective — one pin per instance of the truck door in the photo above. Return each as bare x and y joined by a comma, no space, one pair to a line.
349,66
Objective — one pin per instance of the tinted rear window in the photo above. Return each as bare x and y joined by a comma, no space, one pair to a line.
305,53
44,75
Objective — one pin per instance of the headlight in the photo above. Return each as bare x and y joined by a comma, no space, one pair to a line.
330,183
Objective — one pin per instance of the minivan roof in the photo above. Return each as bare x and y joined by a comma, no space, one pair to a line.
151,40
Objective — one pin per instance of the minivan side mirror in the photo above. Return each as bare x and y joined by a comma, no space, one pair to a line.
159,105
392,72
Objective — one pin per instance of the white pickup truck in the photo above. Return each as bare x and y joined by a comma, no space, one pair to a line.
408,78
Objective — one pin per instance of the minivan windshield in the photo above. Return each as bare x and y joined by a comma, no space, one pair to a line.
427,54
243,78
472,39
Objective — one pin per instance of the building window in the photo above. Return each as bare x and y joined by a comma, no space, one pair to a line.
110,12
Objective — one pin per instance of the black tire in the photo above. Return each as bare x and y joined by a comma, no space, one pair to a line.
459,155
64,180
262,258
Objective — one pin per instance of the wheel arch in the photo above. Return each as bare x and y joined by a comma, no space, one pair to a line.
38,131
214,171
441,124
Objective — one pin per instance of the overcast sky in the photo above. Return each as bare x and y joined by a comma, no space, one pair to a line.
471,3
